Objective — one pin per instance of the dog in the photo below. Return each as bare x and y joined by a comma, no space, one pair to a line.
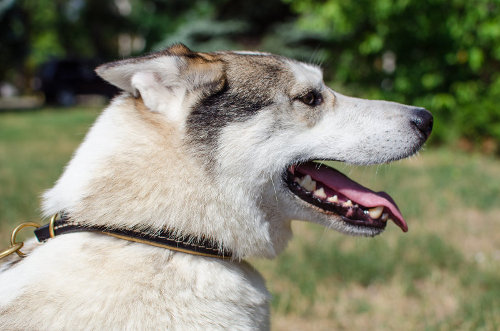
217,148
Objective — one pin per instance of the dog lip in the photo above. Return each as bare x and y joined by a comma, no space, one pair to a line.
352,190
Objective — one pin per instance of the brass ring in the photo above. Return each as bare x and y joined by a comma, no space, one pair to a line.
13,242
51,226
11,249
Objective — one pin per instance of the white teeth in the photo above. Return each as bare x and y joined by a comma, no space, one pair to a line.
320,193
308,183
376,212
384,218
348,203
333,199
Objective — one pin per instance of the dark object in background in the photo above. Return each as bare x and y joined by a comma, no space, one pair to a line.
62,80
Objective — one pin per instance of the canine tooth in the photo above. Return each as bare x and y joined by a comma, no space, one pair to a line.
320,193
376,212
333,199
348,203
384,218
308,183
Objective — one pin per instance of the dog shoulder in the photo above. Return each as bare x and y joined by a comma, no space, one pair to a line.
106,283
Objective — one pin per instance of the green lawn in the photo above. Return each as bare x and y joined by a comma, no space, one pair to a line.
34,147
444,274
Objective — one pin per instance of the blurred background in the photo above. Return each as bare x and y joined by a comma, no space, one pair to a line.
440,54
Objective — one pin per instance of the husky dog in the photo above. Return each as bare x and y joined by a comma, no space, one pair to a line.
207,145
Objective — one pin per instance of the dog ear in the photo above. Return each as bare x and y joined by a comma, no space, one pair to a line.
167,79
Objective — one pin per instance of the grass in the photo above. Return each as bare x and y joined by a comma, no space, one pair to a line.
444,274
34,147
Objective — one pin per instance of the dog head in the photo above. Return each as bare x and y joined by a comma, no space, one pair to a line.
238,137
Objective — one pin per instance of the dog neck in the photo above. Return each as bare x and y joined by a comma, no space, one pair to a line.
134,170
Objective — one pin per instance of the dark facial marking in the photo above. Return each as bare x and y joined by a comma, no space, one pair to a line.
216,111
250,86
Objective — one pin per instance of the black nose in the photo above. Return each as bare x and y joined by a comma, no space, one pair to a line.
423,120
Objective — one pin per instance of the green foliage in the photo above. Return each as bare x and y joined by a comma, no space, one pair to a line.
35,31
193,34
440,54
45,41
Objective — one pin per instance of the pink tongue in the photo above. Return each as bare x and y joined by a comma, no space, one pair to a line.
352,190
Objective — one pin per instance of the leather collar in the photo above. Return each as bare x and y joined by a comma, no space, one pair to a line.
164,239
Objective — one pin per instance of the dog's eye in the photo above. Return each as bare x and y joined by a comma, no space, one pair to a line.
311,98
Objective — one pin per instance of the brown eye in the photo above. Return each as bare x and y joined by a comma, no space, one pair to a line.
311,98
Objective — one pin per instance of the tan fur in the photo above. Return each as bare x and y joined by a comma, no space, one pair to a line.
198,143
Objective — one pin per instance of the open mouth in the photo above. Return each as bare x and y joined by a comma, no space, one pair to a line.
333,192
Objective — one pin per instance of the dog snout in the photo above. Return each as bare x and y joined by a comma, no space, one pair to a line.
423,120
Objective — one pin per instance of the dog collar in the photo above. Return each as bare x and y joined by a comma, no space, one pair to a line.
163,238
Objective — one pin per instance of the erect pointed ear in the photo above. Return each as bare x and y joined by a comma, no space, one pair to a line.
164,79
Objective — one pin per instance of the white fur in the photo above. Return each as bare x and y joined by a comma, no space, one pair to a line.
161,97
95,282
251,53
306,74
121,75
137,169
105,140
